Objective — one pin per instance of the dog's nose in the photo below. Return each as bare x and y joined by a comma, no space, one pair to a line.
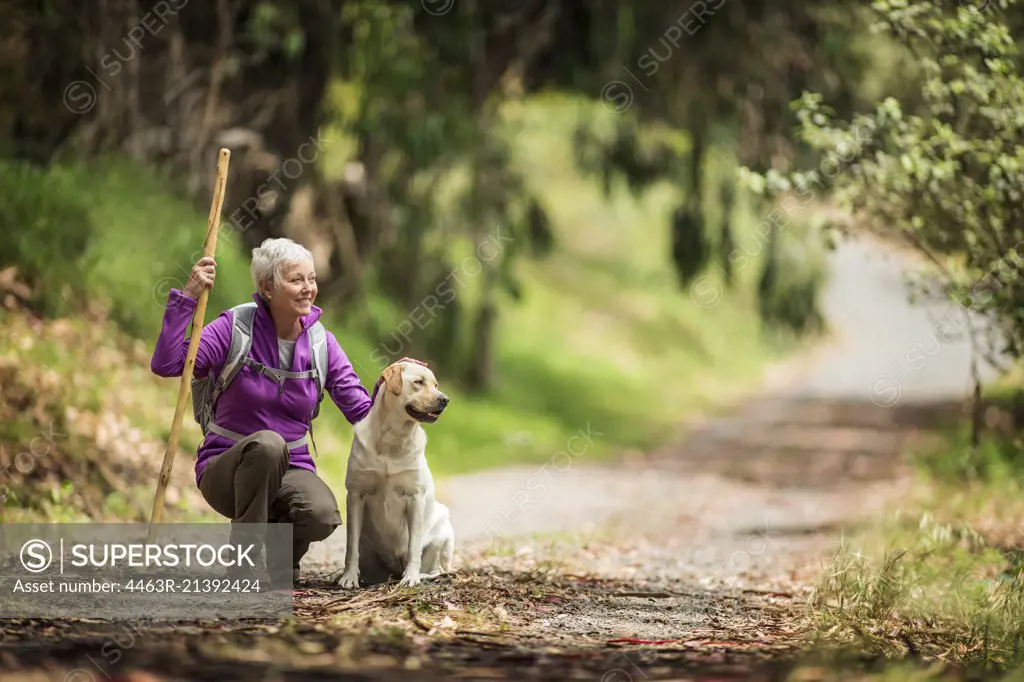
442,401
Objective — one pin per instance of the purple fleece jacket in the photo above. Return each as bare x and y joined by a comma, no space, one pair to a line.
251,403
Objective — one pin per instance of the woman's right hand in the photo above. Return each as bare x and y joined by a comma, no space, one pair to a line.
201,277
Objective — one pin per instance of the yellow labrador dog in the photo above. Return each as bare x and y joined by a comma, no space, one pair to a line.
395,524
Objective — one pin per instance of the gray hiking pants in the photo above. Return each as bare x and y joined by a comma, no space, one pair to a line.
251,482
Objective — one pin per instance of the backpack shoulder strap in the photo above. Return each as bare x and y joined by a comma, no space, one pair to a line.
241,343
318,357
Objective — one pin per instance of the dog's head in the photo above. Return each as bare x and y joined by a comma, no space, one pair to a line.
415,390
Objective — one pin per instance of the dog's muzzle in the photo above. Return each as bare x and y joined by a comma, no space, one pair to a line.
432,416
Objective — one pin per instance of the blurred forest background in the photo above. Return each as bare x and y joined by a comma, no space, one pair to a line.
540,198
600,217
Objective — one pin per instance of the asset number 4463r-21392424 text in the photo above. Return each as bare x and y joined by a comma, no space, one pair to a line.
192,585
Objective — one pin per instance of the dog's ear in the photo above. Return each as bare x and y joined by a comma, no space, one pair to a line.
393,378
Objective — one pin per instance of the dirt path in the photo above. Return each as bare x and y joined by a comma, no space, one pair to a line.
703,552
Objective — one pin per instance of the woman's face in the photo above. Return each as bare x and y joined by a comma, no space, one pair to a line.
297,291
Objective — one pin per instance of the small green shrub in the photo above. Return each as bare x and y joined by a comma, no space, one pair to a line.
999,456
791,283
45,227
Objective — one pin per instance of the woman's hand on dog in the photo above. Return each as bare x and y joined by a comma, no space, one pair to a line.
201,277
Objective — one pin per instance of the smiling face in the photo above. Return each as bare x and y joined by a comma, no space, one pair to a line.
416,392
293,296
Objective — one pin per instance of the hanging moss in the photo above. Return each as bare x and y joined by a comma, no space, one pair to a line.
691,249
542,237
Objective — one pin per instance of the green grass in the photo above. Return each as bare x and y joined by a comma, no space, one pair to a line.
943,577
926,588
888,671
602,340
147,244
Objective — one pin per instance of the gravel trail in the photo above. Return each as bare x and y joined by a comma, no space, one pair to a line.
749,502
693,559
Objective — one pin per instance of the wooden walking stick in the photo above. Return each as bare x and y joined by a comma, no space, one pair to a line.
209,248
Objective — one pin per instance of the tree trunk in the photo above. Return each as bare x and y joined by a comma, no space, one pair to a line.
480,376
977,406
766,288
350,269
1018,410
132,103
480,372
699,135
177,70
225,29
726,243
977,417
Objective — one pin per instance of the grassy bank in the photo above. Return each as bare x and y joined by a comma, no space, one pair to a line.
943,577
602,340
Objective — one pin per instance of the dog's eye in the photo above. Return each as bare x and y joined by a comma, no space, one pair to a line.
419,382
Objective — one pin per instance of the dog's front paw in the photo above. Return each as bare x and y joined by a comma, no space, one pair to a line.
348,580
410,579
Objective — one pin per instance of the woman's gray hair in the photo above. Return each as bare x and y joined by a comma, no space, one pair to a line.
270,257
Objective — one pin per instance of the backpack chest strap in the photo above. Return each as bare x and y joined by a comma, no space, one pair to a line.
279,375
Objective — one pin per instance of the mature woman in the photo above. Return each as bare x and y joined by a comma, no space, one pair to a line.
267,474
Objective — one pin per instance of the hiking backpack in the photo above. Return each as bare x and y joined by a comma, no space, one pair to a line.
207,390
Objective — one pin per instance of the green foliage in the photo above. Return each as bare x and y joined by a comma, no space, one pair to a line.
275,27
996,459
109,233
947,181
596,327
439,146
791,281
45,226
623,151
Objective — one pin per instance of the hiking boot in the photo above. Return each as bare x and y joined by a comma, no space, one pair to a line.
244,572
283,579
